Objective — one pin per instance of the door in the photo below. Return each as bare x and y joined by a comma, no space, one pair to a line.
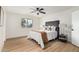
2,28
75,27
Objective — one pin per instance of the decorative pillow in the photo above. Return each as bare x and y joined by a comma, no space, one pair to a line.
49,28
46,28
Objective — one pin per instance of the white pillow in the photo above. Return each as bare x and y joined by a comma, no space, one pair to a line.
49,28
53,28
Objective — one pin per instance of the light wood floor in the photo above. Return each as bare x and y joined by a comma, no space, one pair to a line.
28,45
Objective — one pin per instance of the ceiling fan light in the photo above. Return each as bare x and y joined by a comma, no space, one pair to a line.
37,13
37,8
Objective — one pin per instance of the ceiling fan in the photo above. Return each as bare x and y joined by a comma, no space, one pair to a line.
38,10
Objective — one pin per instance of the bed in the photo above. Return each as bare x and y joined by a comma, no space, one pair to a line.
44,36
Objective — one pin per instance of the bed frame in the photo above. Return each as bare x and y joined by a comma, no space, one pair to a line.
37,36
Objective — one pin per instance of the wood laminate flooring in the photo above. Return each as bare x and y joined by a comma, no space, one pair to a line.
28,45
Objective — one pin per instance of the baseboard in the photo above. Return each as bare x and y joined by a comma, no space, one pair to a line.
16,37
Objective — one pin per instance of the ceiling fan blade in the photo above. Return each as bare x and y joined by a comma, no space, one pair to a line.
42,9
42,12
33,11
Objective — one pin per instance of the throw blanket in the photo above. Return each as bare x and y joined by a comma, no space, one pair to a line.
43,35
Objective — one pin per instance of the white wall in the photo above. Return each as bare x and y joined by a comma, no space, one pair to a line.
13,27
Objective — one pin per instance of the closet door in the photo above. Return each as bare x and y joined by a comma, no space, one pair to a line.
75,28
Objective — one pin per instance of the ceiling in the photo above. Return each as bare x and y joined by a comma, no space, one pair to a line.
27,9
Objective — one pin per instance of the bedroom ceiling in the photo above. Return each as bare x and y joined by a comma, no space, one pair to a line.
27,9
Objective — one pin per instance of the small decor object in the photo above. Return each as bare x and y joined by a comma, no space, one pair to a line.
26,22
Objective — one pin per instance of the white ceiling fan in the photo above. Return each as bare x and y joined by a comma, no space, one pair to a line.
38,10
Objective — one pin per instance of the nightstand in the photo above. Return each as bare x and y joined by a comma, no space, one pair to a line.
63,38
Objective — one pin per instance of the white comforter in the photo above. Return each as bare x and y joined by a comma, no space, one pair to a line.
37,36
51,35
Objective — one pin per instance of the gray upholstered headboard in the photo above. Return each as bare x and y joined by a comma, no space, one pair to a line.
52,23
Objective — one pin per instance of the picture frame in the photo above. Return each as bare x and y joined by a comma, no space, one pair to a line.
26,22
